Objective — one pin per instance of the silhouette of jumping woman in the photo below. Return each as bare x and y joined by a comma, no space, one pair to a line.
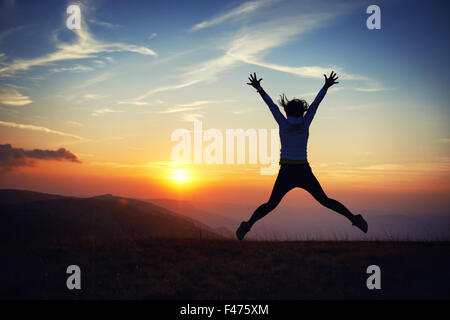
294,167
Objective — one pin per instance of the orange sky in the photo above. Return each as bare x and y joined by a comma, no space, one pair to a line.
113,96
379,189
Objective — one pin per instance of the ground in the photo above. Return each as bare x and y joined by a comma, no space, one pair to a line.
226,269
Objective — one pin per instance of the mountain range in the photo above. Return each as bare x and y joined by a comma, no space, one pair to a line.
39,216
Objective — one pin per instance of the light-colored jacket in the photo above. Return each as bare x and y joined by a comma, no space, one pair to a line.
294,131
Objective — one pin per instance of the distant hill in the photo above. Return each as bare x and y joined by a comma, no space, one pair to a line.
219,223
29,215
11,196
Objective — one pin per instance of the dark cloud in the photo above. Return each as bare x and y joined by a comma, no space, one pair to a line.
11,158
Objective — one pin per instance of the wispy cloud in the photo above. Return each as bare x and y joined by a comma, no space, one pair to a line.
100,112
94,80
12,97
370,89
134,102
183,107
93,96
99,62
166,88
304,71
85,46
241,10
104,24
191,117
37,128
137,102
251,44
11,158
75,123
178,109
77,68
197,103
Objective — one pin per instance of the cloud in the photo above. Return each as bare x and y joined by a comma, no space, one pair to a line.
11,158
196,103
99,112
12,97
137,102
104,24
134,102
166,88
37,128
77,68
99,62
85,46
305,71
248,46
241,10
370,89
93,96
75,123
97,79
182,107
251,44
178,109
191,117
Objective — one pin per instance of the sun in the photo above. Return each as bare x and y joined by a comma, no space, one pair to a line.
180,175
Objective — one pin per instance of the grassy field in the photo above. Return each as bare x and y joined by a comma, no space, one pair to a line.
224,269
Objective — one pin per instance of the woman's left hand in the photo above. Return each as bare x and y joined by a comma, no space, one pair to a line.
253,81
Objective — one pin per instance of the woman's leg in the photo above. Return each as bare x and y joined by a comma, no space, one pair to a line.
312,185
282,185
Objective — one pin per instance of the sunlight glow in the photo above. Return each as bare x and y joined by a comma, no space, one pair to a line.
180,175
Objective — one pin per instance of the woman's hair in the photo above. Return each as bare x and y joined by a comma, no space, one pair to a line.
294,107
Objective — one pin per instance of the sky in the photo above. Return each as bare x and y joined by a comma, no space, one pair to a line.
92,111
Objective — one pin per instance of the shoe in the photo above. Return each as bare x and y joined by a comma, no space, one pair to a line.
242,230
359,221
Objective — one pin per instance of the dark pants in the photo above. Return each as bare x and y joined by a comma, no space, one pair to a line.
297,175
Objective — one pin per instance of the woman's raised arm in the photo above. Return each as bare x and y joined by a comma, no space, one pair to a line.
255,83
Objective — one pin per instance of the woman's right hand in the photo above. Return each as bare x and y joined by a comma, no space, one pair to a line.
331,80
253,81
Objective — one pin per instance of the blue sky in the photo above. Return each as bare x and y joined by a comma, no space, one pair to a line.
137,70
405,52
402,54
